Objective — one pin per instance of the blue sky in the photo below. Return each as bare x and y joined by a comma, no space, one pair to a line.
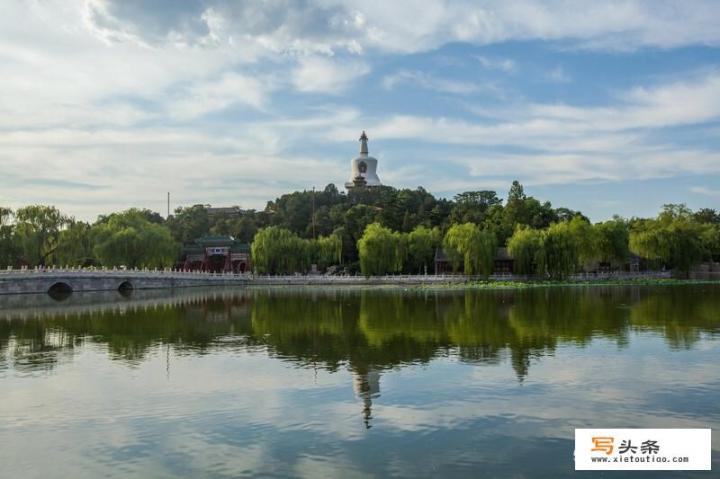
607,107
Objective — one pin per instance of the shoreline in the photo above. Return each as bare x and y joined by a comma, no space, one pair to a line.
504,285
121,281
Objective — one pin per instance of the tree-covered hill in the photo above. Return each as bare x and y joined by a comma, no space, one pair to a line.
357,228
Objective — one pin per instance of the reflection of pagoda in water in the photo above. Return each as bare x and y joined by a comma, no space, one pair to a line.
366,383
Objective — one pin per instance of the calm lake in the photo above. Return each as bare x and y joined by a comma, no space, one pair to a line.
348,382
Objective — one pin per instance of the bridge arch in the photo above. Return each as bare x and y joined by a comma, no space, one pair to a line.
125,287
60,290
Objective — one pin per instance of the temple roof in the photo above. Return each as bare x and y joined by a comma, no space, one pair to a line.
203,242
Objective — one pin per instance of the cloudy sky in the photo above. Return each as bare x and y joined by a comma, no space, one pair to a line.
608,107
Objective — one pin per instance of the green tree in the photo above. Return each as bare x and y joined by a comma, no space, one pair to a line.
674,239
130,239
707,215
710,237
521,209
472,206
526,248
422,243
585,238
380,250
75,246
277,250
9,250
354,222
327,251
189,224
560,248
613,239
38,230
476,247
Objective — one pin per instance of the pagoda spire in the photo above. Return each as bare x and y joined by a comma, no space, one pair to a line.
363,144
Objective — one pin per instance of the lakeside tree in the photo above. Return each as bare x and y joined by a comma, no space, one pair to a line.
130,239
677,238
476,247
277,250
75,245
189,223
526,248
585,237
326,251
9,252
674,239
612,241
421,245
37,232
560,251
381,250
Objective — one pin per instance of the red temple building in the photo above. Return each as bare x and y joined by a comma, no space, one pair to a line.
217,254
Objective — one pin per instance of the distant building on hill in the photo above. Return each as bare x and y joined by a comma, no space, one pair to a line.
363,169
223,211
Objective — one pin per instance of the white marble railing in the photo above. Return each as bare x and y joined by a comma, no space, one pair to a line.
139,272
430,278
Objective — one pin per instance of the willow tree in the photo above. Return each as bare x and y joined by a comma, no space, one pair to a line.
526,248
276,250
130,239
381,250
75,245
585,238
37,230
8,245
476,247
674,239
560,250
612,240
327,250
421,245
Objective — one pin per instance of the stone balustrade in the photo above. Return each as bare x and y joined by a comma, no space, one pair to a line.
69,279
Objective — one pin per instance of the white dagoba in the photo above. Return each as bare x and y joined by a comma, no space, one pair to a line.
363,168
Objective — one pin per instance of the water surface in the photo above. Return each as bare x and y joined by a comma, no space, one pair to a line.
348,383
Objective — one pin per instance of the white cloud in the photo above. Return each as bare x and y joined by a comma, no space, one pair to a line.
558,75
229,90
565,144
503,64
428,82
611,24
85,173
102,100
324,26
703,190
327,75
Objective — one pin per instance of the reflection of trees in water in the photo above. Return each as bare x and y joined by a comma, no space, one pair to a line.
371,330
129,333
681,316
365,331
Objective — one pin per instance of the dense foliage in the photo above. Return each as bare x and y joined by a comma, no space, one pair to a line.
130,239
475,247
676,238
277,250
373,230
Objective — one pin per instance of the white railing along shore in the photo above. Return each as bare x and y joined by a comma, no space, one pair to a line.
399,278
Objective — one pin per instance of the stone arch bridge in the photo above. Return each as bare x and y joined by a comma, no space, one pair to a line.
64,281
